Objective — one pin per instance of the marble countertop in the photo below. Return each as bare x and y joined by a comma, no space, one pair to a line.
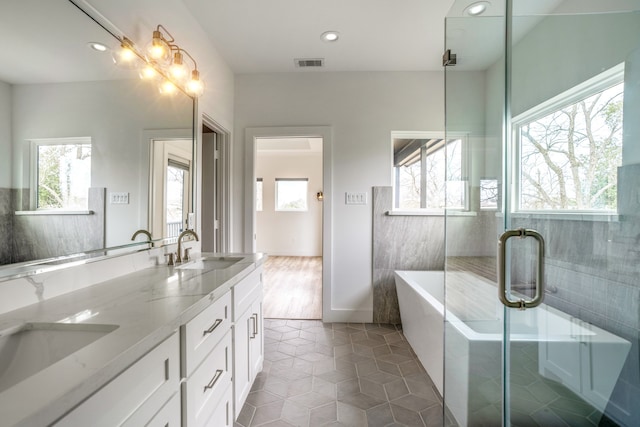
147,306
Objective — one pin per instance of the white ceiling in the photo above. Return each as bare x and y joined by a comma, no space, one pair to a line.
38,49
261,36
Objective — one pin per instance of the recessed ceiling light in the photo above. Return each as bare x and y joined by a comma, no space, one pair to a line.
330,36
98,46
477,8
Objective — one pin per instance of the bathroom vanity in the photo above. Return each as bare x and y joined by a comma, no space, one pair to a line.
159,345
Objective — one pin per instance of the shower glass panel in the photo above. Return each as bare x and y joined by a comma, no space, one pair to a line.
548,93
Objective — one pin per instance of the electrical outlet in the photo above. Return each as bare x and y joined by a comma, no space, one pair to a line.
191,220
119,198
355,198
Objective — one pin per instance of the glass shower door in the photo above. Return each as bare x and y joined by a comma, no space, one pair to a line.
549,93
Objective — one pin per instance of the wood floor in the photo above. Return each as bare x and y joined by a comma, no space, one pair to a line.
293,287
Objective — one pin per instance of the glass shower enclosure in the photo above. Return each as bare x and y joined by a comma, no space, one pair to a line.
542,280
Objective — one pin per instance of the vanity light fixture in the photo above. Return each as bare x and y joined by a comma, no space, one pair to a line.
330,36
163,61
477,8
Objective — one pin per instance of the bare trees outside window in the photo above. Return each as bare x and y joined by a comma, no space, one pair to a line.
63,175
569,157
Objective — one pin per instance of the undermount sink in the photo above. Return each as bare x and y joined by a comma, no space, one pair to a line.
211,263
31,347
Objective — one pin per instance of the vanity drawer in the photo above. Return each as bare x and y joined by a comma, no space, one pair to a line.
201,334
207,387
245,292
134,396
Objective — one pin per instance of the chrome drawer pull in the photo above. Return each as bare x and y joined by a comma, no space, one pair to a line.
214,380
213,327
254,318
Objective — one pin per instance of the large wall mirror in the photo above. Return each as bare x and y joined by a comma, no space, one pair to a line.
90,152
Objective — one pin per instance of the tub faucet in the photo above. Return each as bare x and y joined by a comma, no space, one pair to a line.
145,232
186,255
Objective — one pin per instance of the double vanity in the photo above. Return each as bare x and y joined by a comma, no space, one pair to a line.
156,345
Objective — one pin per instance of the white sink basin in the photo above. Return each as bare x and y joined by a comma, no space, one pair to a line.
211,263
32,347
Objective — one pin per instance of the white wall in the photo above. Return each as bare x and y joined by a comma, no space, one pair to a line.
363,109
114,114
5,135
138,18
289,233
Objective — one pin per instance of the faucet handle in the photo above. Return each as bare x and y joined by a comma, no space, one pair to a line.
171,256
186,256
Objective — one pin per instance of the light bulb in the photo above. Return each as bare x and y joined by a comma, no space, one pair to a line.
158,49
167,88
178,68
125,56
195,86
148,72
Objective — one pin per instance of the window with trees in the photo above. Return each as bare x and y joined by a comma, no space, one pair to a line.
429,173
62,173
570,148
291,194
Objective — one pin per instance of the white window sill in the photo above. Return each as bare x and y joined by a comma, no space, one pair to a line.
53,212
569,216
418,212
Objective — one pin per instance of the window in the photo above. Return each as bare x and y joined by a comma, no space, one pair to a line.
177,188
429,173
62,173
291,194
259,194
569,149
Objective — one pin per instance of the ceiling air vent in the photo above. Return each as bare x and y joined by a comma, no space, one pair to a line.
309,62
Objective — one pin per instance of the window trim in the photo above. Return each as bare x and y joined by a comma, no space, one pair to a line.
34,143
306,194
608,78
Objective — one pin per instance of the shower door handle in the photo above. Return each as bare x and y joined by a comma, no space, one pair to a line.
502,250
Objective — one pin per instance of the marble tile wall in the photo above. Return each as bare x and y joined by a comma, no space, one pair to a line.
6,225
46,236
400,243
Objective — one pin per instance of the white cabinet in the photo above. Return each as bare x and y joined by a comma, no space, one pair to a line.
248,338
209,386
207,358
137,396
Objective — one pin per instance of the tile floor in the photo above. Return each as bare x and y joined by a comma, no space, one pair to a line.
339,374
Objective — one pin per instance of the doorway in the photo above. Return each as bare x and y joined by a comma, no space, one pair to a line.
288,211
214,191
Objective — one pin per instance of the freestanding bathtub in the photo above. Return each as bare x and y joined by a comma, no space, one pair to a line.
461,347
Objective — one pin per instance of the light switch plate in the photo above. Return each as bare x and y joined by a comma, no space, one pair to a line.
355,198
119,198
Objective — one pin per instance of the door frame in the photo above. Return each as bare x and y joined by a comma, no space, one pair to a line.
324,132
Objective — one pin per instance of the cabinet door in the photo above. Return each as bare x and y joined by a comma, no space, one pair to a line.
256,340
223,414
136,395
169,415
241,367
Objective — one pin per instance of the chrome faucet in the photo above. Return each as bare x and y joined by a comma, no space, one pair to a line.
186,254
145,232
